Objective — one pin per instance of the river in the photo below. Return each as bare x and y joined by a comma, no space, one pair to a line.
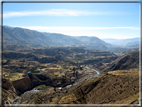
17,100
98,73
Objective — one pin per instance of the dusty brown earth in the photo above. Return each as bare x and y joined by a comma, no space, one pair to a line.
115,87
9,93
111,88
124,62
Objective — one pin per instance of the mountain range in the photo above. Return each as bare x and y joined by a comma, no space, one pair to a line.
20,36
133,42
31,38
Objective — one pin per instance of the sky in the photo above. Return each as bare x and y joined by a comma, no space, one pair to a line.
103,20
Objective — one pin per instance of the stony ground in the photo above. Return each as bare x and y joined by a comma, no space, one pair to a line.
110,88
121,87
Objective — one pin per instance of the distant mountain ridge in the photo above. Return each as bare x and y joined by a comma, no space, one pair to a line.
63,40
133,42
20,36
92,40
15,37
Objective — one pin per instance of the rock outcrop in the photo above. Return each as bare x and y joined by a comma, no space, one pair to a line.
23,84
9,93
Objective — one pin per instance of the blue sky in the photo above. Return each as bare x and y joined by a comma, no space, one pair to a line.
103,20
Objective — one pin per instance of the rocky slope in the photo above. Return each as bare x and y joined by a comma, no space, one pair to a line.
115,87
120,87
9,93
124,62
111,88
12,89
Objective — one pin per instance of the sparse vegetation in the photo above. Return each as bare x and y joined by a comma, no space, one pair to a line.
59,67
23,61
41,87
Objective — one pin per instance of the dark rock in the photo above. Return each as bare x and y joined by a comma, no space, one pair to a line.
23,84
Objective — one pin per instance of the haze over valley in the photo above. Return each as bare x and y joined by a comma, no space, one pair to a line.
56,64
70,53
15,37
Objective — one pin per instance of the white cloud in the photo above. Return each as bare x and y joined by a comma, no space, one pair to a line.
77,28
88,31
53,12
100,35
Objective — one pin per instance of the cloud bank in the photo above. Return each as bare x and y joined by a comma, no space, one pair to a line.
77,28
101,32
53,12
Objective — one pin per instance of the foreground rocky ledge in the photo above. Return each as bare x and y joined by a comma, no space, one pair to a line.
111,88
115,87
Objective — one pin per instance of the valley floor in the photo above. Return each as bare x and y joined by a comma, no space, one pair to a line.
115,87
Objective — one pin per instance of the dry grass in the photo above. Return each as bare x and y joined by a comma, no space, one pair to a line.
128,100
125,72
67,99
12,76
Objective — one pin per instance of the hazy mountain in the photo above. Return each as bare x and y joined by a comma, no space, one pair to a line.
19,36
123,42
85,41
63,40
133,44
92,40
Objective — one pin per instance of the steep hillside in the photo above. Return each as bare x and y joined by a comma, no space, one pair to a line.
120,87
9,93
112,88
15,37
125,62
115,87
20,36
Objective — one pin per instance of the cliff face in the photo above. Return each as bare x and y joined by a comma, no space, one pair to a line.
12,89
23,84
6,84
